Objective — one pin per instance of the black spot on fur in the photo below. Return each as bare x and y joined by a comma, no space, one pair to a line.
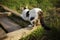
24,8
27,14
31,18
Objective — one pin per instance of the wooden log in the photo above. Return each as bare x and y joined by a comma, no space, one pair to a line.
5,14
12,11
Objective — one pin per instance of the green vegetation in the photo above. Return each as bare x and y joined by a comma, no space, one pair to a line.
51,17
36,35
41,34
17,5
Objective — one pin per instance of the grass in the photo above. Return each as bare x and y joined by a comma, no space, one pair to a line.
17,5
41,34
33,36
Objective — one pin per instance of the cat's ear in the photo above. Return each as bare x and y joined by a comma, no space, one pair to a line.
23,8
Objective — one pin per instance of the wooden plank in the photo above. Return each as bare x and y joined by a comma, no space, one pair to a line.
18,34
9,25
